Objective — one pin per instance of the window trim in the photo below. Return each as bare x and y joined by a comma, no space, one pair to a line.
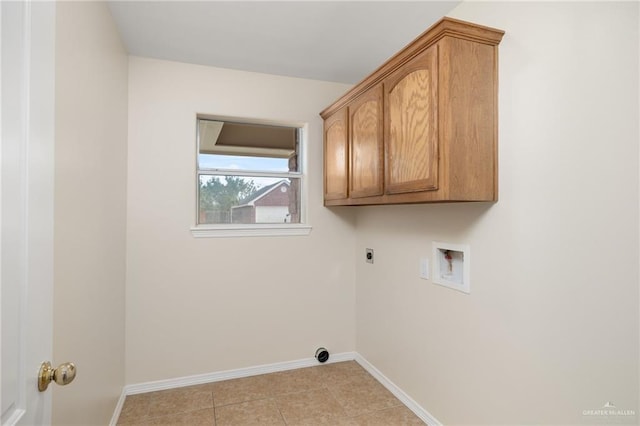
250,230
257,229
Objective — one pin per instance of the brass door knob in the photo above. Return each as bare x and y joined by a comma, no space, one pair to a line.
63,375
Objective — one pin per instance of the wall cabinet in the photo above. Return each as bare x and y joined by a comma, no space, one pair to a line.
421,128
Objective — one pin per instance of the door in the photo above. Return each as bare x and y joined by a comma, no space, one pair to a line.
365,135
411,125
336,156
26,207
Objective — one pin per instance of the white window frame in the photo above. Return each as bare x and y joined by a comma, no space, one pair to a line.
254,229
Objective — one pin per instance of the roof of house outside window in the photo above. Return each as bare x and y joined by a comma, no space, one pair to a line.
262,192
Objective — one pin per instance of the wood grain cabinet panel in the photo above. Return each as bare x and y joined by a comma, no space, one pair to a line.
336,155
366,146
411,125
421,128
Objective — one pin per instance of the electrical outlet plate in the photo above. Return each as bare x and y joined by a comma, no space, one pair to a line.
452,266
369,255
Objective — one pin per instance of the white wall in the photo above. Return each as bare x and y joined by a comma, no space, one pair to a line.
90,211
550,328
206,305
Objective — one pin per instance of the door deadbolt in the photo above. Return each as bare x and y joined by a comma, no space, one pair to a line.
63,375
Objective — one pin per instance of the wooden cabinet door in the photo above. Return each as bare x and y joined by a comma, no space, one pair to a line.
411,125
366,147
336,156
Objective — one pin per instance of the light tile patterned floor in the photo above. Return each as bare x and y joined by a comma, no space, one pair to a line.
341,394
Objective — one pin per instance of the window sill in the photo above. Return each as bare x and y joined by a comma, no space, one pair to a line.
266,230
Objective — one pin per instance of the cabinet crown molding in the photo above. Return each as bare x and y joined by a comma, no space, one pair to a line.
444,27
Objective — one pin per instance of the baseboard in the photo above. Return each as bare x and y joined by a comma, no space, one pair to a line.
198,379
118,409
232,374
423,414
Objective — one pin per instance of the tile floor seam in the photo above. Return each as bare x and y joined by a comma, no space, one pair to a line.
281,415
248,400
339,402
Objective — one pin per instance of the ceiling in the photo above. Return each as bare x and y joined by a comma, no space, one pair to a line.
332,41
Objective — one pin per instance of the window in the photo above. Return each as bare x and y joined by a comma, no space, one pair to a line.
249,175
